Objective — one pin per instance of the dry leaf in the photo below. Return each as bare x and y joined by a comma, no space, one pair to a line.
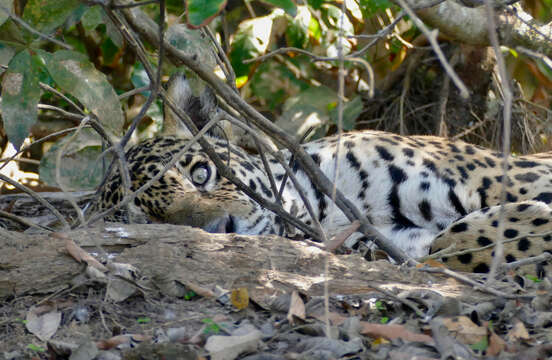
240,298
464,330
43,325
296,308
78,253
496,344
392,332
121,340
518,332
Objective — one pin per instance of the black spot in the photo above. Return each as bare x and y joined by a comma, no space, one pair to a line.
523,191
469,150
455,201
425,210
526,164
481,268
316,159
252,185
539,221
547,237
453,148
485,184
510,233
247,165
494,223
384,154
264,189
522,207
459,157
465,258
545,197
490,162
424,186
480,163
513,219
353,161
510,258
527,177
484,241
511,197
524,244
430,165
388,141
408,152
463,172
470,166
349,144
460,227
362,175
397,174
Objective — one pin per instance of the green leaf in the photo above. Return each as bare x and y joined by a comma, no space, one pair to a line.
297,31
46,15
201,12
79,166
351,111
192,43
20,95
288,6
481,345
36,348
384,320
92,18
143,320
73,73
8,5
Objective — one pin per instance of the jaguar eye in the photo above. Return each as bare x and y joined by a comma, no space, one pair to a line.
200,174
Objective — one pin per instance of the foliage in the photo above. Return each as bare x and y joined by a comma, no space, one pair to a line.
77,49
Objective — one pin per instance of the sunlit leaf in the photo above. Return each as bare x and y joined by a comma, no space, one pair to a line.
20,95
288,6
252,40
5,5
201,12
336,19
76,75
46,15
80,168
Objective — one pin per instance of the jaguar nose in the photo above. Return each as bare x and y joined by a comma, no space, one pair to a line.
224,224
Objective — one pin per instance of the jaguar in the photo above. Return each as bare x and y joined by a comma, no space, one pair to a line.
423,193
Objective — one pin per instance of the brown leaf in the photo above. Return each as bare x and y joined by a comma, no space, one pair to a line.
518,332
496,344
464,330
393,332
296,308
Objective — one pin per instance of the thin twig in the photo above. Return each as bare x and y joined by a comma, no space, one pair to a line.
476,285
498,257
61,95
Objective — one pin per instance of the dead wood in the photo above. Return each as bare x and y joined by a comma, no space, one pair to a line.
265,265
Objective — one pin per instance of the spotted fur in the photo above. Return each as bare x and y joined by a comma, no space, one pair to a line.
424,193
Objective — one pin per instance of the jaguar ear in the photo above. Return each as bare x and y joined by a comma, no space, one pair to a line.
198,108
